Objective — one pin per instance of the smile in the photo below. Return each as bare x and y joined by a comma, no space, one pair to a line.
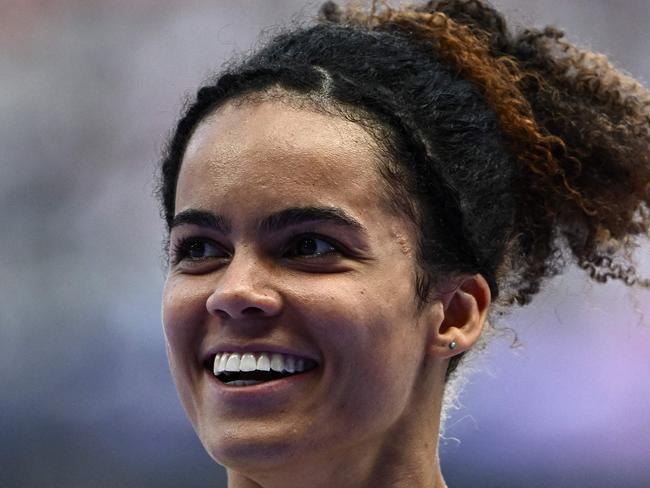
252,368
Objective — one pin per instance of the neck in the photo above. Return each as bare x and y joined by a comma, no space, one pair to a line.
396,467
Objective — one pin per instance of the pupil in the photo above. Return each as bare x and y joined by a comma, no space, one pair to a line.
196,250
308,246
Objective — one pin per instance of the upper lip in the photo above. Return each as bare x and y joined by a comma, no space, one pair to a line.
256,347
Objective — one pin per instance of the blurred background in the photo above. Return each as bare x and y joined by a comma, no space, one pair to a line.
88,93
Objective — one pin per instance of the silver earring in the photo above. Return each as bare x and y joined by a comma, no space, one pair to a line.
452,345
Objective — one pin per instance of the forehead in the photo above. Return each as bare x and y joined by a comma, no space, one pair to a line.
273,152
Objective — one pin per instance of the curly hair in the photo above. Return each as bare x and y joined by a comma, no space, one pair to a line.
513,153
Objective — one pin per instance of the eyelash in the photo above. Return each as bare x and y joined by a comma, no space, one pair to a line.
181,250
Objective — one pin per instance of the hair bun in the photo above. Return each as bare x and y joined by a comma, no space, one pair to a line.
330,12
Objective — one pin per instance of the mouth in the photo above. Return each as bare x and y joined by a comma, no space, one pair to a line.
254,368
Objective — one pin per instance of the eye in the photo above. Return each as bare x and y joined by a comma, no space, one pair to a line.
311,247
196,249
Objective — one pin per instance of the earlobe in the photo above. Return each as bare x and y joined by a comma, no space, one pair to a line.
464,313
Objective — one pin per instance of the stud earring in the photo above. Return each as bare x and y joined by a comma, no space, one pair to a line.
452,345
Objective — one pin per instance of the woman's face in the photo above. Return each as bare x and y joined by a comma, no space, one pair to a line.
284,243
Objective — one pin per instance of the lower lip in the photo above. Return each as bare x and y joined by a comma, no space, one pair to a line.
277,390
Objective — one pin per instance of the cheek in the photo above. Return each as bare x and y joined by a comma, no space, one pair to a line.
183,307
183,316
369,333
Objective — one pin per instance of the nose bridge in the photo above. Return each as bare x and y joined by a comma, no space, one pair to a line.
245,287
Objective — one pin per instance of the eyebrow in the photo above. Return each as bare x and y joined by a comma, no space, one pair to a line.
272,223
202,219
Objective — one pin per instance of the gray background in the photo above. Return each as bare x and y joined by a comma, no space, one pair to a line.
88,93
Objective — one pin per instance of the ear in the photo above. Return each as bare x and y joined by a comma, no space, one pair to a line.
465,310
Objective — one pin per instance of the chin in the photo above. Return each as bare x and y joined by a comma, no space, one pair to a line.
243,449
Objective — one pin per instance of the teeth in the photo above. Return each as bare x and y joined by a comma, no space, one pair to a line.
222,362
290,364
217,361
244,383
277,363
248,362
260,361
264,363
233,362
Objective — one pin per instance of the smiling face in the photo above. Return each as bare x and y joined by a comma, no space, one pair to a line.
283,242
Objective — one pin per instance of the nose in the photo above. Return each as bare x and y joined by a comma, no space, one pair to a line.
244,290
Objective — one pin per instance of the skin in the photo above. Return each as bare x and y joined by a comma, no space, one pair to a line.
369,415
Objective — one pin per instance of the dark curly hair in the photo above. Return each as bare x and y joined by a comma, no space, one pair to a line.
512,153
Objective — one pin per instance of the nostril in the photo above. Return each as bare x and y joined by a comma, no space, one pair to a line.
222,314
248,311
252,311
